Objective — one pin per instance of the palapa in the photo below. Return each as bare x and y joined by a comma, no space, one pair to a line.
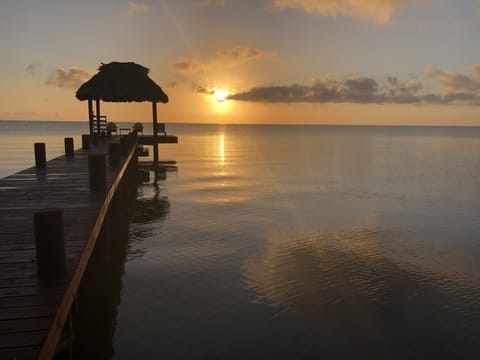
121,82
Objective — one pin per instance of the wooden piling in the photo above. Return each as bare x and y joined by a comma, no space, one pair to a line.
114,154
68,142
97,172
85,141
49,243
40,155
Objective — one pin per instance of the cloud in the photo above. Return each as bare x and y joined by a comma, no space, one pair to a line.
190,66
203,90
475,68
223,58
33,69
454,88
378,11
138,8
208,3
71,78
454,83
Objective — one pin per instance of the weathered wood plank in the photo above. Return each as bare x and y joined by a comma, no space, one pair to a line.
31,300
27,312
21,353
21,325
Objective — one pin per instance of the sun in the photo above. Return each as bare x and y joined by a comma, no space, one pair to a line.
220,95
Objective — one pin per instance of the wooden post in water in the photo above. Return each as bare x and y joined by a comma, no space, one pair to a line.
97,172
49,243
68,141
155,132
40,155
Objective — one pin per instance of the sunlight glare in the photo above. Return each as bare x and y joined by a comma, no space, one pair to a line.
221,95
221,150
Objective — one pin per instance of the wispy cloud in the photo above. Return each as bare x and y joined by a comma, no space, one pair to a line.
209,3
138,8
455,82
33,69
70,78
223,58
453,88
379,11
209,90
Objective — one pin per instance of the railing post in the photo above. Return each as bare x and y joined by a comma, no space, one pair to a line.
68,141
85,141
114,154
97,172
40,155
123,146
49,243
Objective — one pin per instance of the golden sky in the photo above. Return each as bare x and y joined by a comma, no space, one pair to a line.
276,61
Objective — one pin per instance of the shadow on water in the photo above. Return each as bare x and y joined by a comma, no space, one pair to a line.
94,318
150,205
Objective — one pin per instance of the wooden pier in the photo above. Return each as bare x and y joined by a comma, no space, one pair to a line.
35,312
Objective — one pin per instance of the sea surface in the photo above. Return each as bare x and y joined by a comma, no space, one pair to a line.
294,242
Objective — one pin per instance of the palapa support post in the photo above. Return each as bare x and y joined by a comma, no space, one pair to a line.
155,131
97,172
40,155
69,151
114,154
154,114
49,243
98,116
85,141
90,115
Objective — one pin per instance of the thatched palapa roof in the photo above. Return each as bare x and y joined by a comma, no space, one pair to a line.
121,82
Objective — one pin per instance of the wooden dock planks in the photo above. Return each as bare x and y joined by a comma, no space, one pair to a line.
30,307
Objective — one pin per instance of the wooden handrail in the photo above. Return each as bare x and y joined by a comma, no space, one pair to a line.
48,349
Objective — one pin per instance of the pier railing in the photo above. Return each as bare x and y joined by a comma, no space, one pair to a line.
124,182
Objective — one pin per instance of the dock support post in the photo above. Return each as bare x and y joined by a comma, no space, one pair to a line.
114,154
85,141
97,172
40,155
68,141
49,243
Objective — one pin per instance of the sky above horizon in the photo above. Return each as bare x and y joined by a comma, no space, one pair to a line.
411,62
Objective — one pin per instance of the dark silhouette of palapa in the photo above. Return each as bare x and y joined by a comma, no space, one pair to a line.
120,82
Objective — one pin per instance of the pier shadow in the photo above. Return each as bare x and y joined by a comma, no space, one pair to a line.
95,311
150,204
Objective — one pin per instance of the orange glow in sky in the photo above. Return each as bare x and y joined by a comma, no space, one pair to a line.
293,62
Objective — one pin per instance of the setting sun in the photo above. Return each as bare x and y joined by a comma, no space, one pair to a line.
220,95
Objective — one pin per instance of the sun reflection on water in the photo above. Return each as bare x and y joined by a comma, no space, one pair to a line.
221,149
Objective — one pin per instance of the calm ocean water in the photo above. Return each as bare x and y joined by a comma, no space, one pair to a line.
296,242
